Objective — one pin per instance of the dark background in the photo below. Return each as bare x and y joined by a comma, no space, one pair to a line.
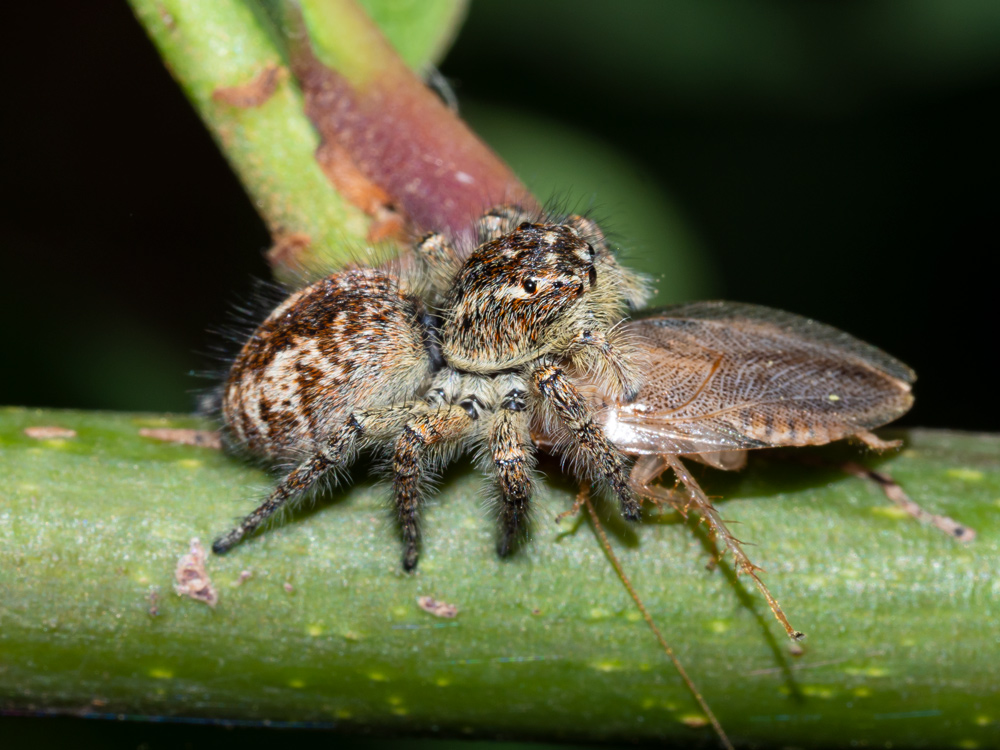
837,160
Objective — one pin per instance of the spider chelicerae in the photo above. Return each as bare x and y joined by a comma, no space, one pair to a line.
464,353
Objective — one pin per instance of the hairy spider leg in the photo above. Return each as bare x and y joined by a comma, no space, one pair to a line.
433,429
438,262
574,412
608,358
648,468
337,452
510,461
499,221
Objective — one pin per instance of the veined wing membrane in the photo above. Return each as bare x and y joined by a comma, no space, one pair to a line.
730,376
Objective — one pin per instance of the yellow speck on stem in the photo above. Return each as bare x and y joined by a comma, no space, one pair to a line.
598,613
189,463
314,630
867,671
983,720
395,700
966,475
861,692
888,512
161,673
718,626
695,721
296,683
343,713
378,677
968,744
442,681
818,691
608,665
56,443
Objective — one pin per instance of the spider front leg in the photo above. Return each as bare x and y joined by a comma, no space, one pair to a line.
338,451
574,412
501,220
511,460
609,359
424,440
437,260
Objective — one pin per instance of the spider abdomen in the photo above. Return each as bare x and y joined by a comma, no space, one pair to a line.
348,342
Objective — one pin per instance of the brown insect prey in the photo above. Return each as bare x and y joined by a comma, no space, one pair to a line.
725,377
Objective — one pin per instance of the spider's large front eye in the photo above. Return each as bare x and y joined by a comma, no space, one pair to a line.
590,250
529,286
592,276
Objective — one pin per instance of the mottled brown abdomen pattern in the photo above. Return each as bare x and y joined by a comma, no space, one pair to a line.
349,342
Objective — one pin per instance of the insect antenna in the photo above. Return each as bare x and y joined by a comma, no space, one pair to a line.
584,499
704,507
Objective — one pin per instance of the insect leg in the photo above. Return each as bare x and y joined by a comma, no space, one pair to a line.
511,461
431,429
645,471
574,412
339,450
704,508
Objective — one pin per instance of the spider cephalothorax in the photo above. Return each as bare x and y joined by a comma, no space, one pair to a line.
357,361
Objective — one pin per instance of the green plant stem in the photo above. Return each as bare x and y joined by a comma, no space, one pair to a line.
902,642
270,102
209,46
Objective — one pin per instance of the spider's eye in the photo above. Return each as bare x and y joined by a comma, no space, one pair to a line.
590,249
524,225
529,286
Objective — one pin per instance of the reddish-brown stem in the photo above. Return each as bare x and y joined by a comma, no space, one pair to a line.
397,132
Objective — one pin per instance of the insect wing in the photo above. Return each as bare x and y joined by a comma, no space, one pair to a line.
728,376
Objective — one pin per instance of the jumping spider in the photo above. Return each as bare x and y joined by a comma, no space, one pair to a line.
463,354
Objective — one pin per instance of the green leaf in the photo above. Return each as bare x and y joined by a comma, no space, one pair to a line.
902,645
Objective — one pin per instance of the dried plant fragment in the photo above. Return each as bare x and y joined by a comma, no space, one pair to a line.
254,93
199,438
49,432
896,494
438,609
288,250
192,579
361,192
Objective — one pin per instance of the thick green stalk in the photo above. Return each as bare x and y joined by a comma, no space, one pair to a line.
323,627
232,66
208,46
